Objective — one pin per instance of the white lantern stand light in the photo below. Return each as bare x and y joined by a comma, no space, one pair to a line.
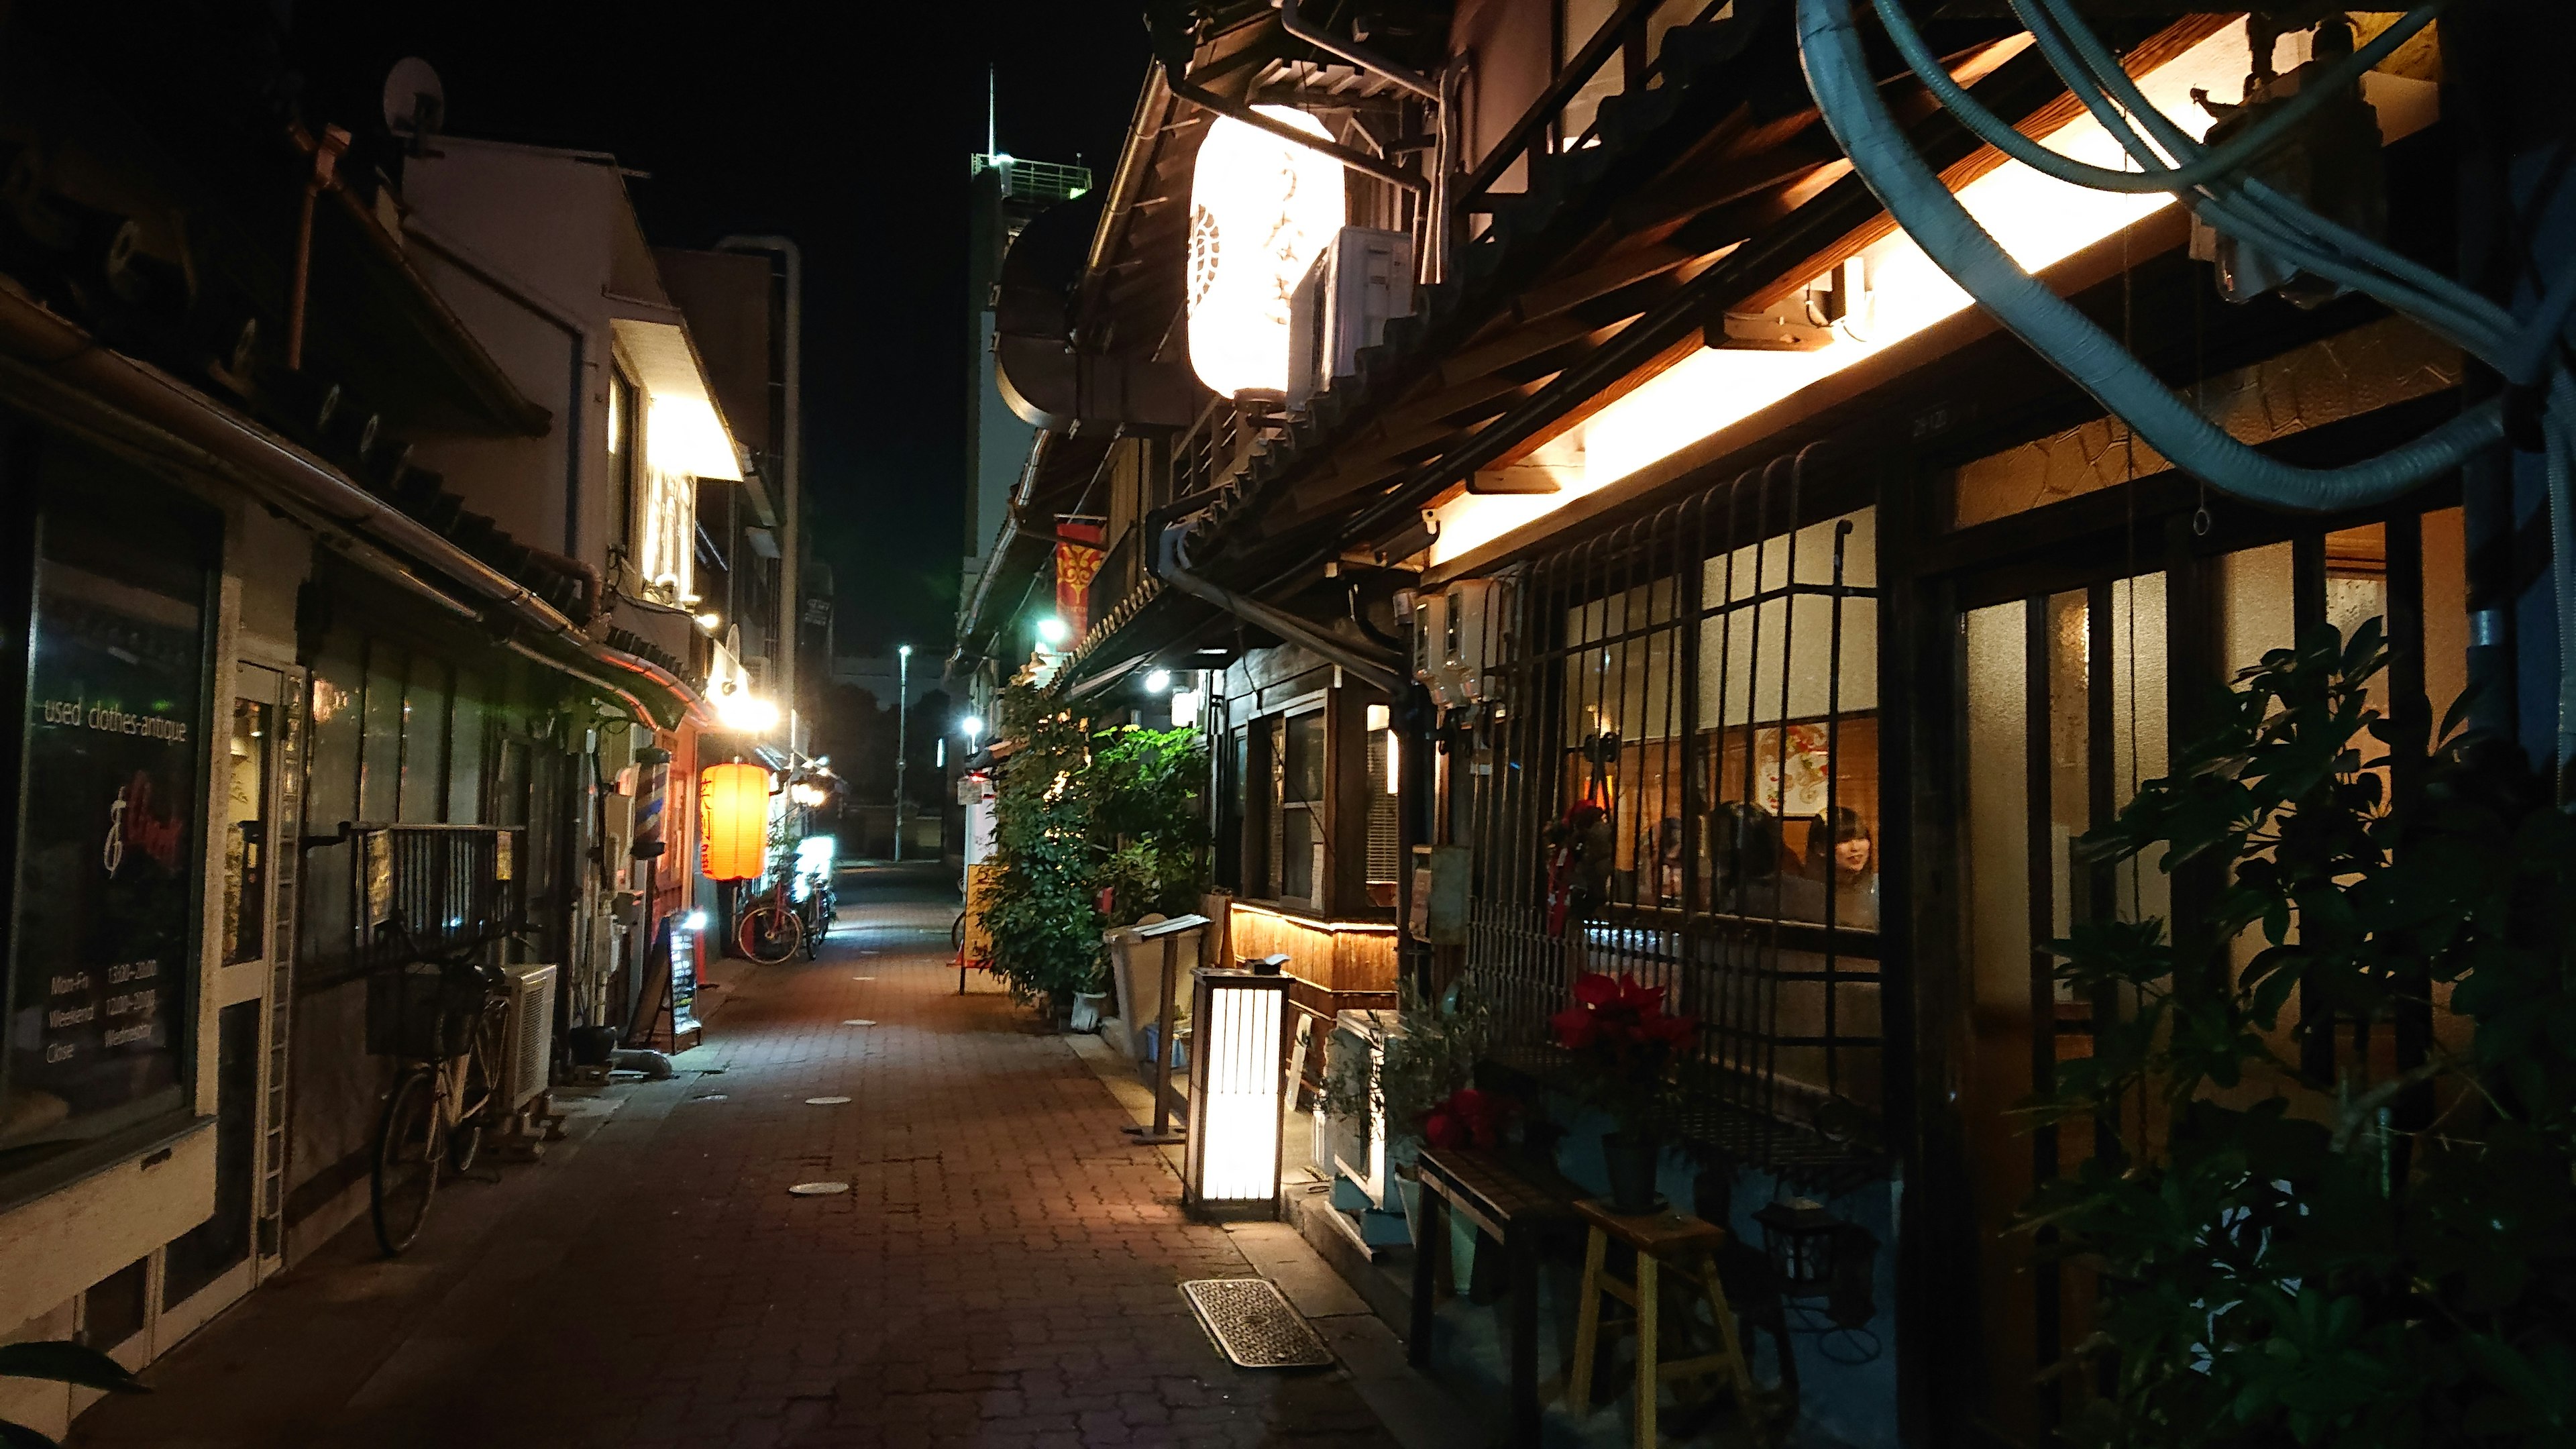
1238,1041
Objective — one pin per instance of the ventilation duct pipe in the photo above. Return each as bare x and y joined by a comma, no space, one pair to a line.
1044,378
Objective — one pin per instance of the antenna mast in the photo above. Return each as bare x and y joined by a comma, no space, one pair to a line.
992,88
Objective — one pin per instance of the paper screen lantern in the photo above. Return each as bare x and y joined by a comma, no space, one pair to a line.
1261,210
1238,1042
733,819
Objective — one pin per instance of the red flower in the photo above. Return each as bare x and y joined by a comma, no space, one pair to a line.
1617,1013
1469,1118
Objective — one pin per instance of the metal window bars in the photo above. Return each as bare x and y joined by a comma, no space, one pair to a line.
424,891
1706,678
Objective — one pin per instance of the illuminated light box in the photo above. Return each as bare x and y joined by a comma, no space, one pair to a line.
1261,210
1238,1042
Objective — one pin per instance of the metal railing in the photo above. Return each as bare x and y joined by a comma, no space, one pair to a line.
1216,447
1629,39
1033,180
418,891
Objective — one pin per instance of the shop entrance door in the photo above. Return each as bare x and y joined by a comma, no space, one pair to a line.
2065,694
260,768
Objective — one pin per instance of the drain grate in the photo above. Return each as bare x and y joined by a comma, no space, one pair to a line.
1253,1325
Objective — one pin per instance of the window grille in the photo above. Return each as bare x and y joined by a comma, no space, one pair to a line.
1679,782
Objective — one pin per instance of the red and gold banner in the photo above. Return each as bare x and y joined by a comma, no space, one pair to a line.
1074,567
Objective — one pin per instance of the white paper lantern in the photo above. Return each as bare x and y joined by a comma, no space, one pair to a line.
1261,210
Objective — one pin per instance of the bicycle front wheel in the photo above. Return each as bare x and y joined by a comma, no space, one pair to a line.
411,1147
770,933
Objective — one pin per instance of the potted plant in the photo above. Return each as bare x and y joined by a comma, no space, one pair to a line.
1421,1092
1624,1044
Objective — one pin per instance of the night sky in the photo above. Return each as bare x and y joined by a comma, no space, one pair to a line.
798,119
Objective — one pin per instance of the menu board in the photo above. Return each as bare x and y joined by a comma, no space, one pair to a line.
110,847
684,983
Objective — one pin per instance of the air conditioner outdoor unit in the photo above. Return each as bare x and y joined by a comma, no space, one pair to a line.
527,1035
1363,277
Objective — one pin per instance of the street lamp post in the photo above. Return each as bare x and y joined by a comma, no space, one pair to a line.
902,713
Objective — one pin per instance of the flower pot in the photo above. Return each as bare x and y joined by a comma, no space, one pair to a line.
1086,1010
1631,1158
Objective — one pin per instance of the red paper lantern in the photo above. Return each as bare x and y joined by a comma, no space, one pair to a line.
733,821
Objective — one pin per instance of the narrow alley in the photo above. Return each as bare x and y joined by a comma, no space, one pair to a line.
1000,1272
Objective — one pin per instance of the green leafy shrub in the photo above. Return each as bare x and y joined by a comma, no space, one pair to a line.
1077,812
2387,1258
1149,820
1042,918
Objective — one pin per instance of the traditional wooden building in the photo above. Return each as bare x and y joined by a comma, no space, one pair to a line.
1612,469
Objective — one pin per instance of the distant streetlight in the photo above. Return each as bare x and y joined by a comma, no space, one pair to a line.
1051,630
902,716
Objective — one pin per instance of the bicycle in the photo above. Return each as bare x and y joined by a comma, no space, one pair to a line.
444,1099
817,908
771,929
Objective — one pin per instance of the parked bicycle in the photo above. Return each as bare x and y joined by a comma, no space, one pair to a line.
818,902
771,927
447,1093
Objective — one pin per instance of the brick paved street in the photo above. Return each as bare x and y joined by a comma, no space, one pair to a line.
1000,1273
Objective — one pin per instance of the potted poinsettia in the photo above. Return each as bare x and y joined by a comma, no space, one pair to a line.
1624,1044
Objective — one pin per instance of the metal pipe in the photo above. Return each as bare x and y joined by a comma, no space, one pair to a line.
1173,565
326,159
1360,161
1358,55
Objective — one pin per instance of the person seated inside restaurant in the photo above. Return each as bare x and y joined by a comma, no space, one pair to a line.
1755,875
1843,861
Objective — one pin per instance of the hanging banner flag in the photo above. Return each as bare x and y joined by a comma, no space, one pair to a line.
1074,568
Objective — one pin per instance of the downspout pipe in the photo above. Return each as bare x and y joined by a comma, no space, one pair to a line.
1172,563
304,483
1357,54
1829,46
1176,76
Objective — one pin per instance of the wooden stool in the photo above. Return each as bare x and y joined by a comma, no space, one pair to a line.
1687,1246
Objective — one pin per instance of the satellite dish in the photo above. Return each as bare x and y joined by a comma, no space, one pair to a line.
415,101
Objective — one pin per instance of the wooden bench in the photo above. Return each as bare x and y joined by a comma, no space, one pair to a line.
1515,1210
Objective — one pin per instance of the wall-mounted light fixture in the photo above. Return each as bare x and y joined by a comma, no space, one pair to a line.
1238,1040
1051,631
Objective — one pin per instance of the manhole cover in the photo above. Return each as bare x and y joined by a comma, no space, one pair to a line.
1253,1325
818,1189
825,1101
858,1021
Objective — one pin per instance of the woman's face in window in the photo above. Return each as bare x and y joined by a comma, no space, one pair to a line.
1851,855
